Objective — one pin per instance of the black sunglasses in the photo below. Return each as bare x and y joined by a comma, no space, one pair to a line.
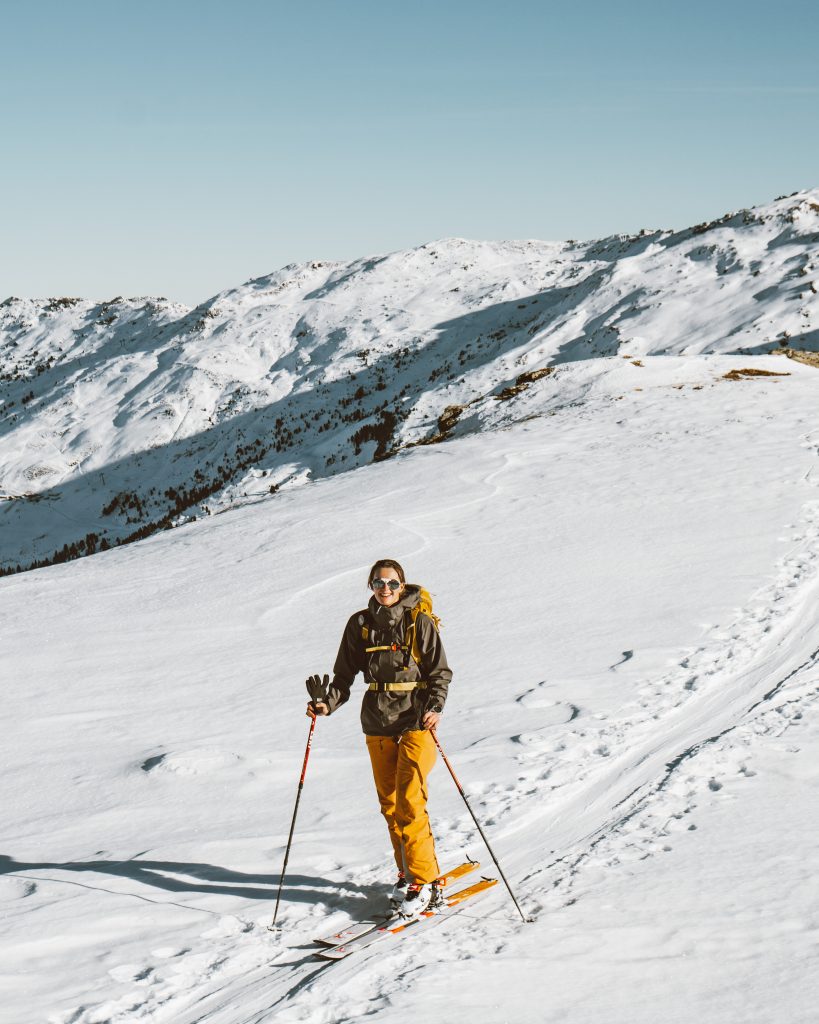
380,584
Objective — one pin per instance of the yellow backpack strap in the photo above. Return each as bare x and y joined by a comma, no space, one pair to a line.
411,640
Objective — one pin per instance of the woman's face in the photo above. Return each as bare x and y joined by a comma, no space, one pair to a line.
387,595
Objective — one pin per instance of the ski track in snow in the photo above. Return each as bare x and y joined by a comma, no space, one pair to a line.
402,528
752,679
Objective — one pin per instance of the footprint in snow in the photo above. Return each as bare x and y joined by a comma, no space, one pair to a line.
541,736
626,656
550,712
131,972
535,697
169,952
198,761
16,889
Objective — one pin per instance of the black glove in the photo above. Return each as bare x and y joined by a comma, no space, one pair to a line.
424,702
318,689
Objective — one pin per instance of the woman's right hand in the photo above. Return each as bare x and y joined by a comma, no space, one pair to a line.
317,709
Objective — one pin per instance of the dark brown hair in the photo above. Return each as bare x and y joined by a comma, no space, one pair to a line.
386,563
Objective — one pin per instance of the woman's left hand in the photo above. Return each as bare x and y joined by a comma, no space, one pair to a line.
431,719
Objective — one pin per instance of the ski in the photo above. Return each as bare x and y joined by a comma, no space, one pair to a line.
359,928
452,903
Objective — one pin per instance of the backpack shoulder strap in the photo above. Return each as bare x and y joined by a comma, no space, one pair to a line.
411,640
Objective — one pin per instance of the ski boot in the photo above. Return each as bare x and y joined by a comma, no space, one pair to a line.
421,899
398,892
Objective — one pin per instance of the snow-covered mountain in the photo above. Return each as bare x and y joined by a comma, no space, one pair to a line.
123,417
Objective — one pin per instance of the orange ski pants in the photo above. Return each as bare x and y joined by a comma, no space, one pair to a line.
400,768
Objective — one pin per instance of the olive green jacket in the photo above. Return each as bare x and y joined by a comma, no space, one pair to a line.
391,713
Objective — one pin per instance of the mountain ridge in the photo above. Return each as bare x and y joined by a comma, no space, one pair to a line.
122,417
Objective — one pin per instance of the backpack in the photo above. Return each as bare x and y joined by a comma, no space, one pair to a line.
410,646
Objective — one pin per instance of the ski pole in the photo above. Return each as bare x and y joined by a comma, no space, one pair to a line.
526,920
272,926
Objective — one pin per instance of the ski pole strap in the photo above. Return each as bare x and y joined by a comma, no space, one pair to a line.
388,687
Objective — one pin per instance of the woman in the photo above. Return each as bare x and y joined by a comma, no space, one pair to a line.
407,679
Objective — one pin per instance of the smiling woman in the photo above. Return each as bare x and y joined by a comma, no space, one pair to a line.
395,642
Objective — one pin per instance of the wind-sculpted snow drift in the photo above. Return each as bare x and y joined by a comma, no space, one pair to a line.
123,417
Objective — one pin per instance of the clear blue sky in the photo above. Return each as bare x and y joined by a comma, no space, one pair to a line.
180,147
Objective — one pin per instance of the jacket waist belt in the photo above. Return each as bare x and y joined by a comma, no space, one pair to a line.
388,687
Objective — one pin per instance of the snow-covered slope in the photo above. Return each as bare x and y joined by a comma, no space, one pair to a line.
628,590
122,417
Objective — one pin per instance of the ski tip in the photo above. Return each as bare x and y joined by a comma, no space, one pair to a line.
448,877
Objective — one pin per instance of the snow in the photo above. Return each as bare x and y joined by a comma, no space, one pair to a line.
624,556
